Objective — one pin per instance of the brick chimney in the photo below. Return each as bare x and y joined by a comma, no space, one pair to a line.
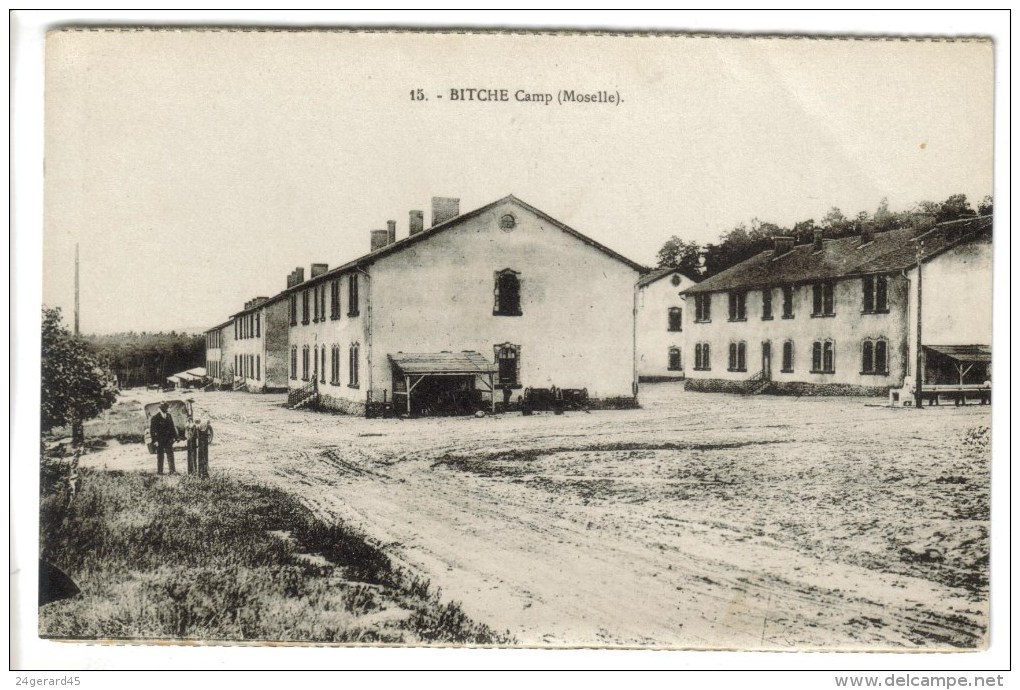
296,277
444,209
416,222
380,238
391,231
319,269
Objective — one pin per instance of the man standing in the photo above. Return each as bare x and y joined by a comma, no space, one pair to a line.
163,433
191,438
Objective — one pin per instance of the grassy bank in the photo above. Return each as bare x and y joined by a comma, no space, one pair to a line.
161,558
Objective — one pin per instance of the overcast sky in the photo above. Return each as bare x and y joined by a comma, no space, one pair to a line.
197,169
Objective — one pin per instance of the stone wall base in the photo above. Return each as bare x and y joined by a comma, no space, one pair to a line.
660,379
785,388
330,403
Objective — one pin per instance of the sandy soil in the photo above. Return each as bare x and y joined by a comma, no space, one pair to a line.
701,520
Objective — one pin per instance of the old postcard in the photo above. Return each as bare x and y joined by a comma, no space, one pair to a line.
517,339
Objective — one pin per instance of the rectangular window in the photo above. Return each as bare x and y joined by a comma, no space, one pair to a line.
766,304
703,308
787,301
881,294
868,287
293,362
322,369
334,299
315,305
304,363
507,292
737,306
822,299
352,294
816,358
293,310
304,307
788,357
258,367
828,357
675,319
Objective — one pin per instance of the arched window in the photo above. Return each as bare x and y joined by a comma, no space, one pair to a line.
293,361
315,363
788,356
674,359
828,357
701,357
508,361
738,357
508,293
881,357
816,357
875,356
304,363
322,370
353,365
258,367
676,320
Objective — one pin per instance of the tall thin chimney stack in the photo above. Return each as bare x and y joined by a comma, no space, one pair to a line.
416,222
391,231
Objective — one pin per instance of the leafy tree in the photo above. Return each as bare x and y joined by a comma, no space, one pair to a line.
985,207
74,385
954,208
677,253
835,224
804,231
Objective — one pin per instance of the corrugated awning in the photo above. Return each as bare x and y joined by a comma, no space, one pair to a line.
963,353
467,362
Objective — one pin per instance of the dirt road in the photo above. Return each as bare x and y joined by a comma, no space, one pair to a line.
699,521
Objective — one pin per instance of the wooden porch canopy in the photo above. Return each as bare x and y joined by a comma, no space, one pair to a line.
414,367
964,357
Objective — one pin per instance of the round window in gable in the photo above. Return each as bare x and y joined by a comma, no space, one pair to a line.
676,280
507,222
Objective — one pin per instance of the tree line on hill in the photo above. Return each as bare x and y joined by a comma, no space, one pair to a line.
744,241
140,359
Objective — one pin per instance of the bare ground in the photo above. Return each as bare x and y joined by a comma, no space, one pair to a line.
702,520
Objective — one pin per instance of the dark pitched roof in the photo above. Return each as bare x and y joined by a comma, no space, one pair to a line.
893,250
657,273
401,244
466,362
963,353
